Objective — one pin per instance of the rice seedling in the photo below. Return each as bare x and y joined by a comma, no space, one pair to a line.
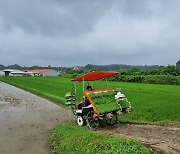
106,102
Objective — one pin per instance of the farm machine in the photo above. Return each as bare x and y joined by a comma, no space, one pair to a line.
97,104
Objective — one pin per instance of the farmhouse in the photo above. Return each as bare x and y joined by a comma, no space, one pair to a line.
42,72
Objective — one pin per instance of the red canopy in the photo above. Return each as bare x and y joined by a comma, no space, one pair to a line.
94,76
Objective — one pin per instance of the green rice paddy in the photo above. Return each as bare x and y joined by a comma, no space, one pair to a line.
150,103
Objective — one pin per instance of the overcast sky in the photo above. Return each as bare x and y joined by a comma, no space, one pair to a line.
80,32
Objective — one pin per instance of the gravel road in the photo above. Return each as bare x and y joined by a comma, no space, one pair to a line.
25,121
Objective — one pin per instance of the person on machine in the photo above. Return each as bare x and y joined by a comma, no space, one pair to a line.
85,102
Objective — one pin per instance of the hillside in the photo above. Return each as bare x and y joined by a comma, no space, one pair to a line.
112,67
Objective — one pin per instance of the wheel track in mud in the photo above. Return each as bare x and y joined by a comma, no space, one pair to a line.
162,137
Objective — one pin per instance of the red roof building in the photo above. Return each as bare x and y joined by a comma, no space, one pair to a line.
42,72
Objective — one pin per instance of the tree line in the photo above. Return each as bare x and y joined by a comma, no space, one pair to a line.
142,74
162,75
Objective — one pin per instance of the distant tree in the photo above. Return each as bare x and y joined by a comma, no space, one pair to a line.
95,69
15,66
170,70
74,71
2,67
135,69
178,64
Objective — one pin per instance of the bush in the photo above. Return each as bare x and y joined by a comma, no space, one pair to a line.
152,79
162,79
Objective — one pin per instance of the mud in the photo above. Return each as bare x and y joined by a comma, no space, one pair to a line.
25,121
163,137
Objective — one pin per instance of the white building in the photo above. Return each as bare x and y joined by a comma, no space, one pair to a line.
2,73
10,72
7,71
17,73
38,72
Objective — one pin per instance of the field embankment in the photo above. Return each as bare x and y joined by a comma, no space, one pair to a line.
150,103
75,139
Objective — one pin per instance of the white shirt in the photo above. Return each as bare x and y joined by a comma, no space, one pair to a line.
119,95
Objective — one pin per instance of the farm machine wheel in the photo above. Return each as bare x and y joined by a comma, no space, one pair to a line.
80,121
112,120
92,121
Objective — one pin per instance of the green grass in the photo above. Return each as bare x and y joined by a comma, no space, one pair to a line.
151,103
70,139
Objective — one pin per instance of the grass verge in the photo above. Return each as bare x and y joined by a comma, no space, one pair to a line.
71,139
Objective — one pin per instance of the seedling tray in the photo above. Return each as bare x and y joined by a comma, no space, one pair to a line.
103,101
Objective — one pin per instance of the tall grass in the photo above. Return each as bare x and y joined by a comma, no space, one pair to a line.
151,103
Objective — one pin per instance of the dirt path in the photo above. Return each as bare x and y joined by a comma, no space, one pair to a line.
25,120
163,137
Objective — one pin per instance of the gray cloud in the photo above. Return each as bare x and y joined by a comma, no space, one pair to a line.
70,33
47,17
